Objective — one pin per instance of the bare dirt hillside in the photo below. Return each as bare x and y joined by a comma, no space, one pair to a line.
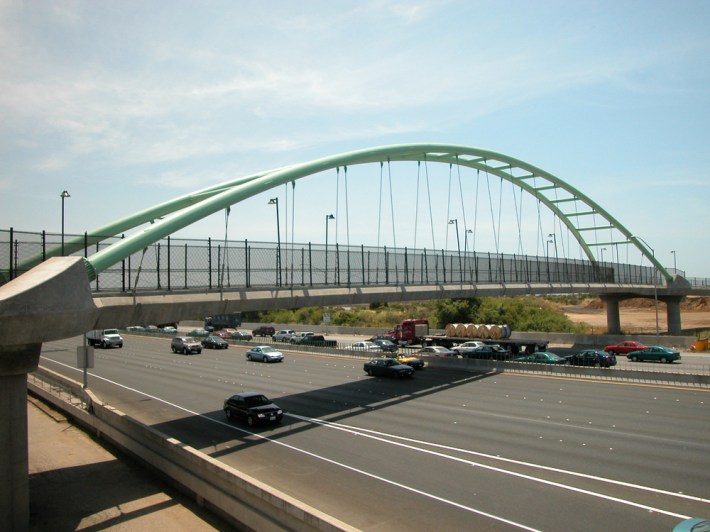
639,315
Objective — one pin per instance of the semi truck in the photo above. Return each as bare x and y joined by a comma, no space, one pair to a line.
416,332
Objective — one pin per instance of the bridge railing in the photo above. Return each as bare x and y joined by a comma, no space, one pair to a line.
185,264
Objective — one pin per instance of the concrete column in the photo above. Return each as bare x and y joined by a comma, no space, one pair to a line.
15,363
673,315
613,321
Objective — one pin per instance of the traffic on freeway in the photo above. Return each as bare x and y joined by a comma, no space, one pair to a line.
440,450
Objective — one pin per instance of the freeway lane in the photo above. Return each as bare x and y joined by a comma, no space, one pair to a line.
443,450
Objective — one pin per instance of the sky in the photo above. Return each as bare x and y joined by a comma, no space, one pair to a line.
129,104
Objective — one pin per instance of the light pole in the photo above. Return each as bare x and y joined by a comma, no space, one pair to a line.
602,252
554,241
275,201
63,195
655,279
458,242
328,217
675,269
465,241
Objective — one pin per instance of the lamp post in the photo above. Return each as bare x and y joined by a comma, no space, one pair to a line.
275,201
458,242
63,195
602,250
328,217
675,269
554,243
465,241
655,279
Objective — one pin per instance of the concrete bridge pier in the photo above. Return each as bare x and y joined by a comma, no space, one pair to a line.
50,302
673,314
613,320
15,363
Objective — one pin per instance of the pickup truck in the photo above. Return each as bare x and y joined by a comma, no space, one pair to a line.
624,348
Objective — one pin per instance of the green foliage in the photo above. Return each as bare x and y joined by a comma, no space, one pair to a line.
525,314
520,313
456,310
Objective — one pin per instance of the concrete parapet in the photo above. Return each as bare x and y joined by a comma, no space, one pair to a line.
494,366
236,496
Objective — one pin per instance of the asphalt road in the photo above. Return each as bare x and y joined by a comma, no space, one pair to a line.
443,450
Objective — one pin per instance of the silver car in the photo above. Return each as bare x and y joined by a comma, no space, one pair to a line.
264,353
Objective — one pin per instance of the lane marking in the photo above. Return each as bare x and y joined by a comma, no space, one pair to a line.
316,456
368,433
379,436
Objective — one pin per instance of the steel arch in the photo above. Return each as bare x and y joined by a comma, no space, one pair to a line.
201,204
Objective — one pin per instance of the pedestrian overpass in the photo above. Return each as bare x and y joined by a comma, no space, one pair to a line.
106,279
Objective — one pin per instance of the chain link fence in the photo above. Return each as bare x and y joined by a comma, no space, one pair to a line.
207,264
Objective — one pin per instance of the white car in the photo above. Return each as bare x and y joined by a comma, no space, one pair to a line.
264,353
283,335
365,346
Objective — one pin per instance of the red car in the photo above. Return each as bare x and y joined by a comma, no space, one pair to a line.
624,348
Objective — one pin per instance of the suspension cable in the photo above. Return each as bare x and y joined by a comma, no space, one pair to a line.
475,205
416,205
463,206
389,174
225,255
337,201
490,203
518,213
347,205
448,211
293,222
379,210
431,213
500,210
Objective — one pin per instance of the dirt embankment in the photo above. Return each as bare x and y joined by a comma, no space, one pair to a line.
638,315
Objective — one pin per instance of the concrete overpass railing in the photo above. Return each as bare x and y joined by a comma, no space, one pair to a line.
239,498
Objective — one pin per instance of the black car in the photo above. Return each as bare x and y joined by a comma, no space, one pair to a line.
591,357
241,335
387,367
215,342
315,340
386,345
252,407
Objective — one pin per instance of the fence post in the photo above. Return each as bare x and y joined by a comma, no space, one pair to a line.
209,262
168,263
12,254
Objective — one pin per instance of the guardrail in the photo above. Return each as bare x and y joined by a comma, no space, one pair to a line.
239,498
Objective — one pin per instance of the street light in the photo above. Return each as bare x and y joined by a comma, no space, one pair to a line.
465,241
655,279
328,217
602,252
554,241
63,195
458,242
675,269
275,201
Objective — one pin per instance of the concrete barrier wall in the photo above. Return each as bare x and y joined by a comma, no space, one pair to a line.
493,366
595,340
240,498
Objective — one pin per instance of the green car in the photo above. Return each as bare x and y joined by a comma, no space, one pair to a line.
656,353
542,357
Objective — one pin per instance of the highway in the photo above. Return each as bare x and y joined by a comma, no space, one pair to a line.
443,450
